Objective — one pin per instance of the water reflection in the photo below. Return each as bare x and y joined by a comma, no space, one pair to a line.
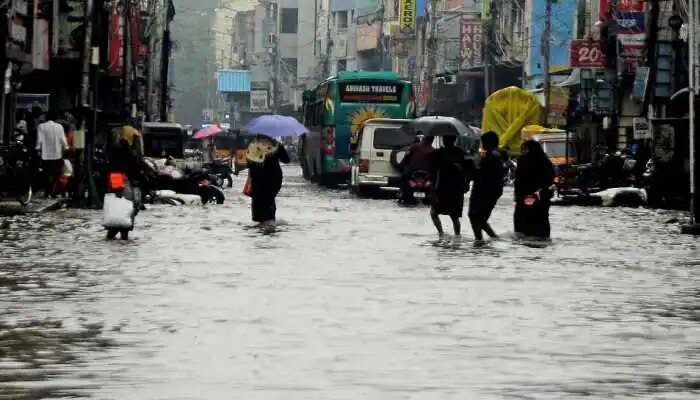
348,299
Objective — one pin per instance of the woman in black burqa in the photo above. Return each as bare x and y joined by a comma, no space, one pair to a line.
534,177
487,188
266,182
451,172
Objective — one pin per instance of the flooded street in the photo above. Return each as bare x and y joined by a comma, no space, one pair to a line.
351,299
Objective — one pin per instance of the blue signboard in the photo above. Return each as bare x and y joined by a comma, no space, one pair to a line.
630,23
420,8
563,23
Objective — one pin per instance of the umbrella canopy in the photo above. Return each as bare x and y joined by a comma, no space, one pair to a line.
207,132
439,126
276,126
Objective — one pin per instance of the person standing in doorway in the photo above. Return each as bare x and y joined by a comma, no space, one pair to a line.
451,173
488,188
51,143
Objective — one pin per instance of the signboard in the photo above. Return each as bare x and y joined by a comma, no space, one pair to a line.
630,23
116,42
586,54
471,42
370,93
28,101
631,56
258,100
641,129
407,16
635,6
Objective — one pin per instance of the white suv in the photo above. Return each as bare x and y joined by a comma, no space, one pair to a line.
372,169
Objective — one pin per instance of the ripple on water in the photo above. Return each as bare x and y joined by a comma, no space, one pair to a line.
347,299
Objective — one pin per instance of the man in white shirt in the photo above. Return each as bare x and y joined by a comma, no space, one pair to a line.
51,142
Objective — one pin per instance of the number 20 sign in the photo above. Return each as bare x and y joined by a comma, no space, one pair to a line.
586,54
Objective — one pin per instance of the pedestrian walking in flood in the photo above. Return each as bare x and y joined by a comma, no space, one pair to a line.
265,175
451,173
534,178
487,188
52,144
123,160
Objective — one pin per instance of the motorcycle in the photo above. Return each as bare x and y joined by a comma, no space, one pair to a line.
221,171
15,177
199,183
418,181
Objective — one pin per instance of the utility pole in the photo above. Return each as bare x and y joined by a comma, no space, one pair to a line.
546,39
692,89
487,45
165,61
432,42
276,58
382,47
329,45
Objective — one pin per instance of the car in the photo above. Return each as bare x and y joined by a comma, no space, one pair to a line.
372,170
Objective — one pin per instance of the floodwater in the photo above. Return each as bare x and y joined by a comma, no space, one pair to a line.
350,299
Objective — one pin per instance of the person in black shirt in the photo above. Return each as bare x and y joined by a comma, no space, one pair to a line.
487,188
451,173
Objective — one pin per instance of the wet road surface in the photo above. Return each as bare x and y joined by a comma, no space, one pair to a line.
351,299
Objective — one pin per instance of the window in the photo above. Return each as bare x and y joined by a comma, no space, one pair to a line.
290,67
290,20
342,65
391,138
342,18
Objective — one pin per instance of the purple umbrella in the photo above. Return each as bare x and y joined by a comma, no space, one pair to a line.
276,126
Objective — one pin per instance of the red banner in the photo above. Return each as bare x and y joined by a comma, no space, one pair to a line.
138,49
116,42
586,54
471,42
630,6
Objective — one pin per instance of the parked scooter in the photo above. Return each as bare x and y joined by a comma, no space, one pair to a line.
15,177
186,182
221,171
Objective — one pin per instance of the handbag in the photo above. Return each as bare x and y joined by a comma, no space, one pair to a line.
117,212
248,187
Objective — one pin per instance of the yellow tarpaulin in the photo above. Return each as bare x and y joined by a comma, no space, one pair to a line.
506,112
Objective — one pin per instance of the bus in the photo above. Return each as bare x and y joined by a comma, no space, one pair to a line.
334,113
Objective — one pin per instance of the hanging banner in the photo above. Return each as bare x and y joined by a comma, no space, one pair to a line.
116,42
138,49
407,15
471,42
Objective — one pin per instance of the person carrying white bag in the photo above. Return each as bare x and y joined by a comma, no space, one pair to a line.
123,200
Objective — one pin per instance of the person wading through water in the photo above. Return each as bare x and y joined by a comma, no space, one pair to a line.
265,174
534,177
123,160
451,173
487,188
